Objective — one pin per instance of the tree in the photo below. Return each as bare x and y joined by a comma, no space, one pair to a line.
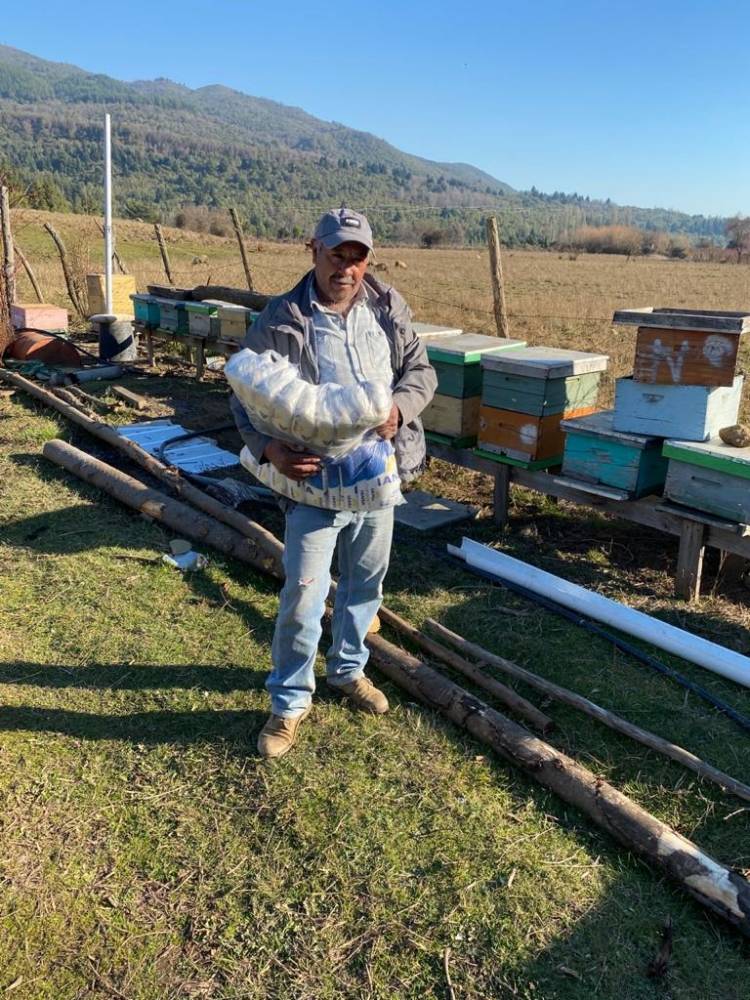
737,230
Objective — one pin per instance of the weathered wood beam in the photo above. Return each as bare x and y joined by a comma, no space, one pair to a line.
590,708
70,284
164,253
241,241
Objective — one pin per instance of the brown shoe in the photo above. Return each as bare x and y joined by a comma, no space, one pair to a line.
278,734
363,694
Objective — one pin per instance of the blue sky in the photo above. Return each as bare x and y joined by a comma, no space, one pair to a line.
645,103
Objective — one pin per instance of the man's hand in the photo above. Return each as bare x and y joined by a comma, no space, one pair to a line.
297,465
389,428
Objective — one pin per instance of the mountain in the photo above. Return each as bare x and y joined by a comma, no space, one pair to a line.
215,147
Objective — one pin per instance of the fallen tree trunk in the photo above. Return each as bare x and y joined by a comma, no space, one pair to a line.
620,725
507,696
714,885
176,515
268,549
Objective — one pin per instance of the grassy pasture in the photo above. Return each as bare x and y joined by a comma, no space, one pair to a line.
148,854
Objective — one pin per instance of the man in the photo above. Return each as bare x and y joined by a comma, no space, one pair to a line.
338,324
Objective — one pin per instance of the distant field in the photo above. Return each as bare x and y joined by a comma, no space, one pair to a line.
557,299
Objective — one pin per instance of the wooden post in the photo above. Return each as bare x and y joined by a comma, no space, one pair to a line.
9,264
29,273
115,255
687,582
164,254
496,273
243,253
70,284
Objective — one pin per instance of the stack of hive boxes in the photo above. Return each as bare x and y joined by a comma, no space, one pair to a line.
453,414
684,386
527,392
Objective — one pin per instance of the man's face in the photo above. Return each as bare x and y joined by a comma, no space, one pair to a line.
339,272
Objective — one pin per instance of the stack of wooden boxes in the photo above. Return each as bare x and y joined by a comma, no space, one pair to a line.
526,394
453,415
684,385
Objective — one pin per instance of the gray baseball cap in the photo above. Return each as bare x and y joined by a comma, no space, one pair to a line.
341,225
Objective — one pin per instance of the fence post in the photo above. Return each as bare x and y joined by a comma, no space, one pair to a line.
243,253
164,254
496,273
72,290
30,274
9,263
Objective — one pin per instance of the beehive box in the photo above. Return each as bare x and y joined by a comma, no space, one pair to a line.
234,321
688,412
452,417
456,360
146,309
596,453
538,396
685,346
172,315
123,288
709,476
38,316
203,320
523,436
433,330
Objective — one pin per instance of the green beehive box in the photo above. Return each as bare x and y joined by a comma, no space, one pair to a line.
172,315
539,396
202,319
709,476
456,360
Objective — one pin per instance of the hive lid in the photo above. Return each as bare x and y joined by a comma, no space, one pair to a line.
709,320
711,454
467,348
433,330
545,362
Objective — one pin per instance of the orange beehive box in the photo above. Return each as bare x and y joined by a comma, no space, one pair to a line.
523,436
685,357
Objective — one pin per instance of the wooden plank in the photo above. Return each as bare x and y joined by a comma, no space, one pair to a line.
685,357
608,492
690,560
699,515
684,319
131,398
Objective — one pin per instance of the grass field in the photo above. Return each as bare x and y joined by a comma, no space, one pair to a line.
147,852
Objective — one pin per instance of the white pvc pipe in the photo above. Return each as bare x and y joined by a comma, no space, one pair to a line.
674,640
108,245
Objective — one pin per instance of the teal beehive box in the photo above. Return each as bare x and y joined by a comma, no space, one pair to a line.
596,453
146,309
456,360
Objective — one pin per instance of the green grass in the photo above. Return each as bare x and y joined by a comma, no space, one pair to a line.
148,853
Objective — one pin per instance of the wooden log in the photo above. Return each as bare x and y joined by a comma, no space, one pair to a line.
131,398
175,514
243,251
29,272
711,883
164,254
70,284
496,274
507,696
590,708
9,264
267,548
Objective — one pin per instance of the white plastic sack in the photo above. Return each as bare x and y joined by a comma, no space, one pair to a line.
366,478
328,419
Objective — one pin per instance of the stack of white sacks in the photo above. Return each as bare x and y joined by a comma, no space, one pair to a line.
334,421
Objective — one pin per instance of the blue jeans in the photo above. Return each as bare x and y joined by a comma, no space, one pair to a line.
364,546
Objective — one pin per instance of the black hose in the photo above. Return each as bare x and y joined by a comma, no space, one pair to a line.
626,647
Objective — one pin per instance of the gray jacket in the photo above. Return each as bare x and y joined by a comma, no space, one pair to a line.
286,326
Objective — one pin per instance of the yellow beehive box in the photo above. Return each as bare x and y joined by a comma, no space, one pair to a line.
123,286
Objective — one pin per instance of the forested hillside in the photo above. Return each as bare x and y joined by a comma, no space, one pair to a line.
175,147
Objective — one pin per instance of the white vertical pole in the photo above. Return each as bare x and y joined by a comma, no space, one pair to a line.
108,247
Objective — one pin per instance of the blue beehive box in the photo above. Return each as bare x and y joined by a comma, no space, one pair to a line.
146,308
596,453
687,412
